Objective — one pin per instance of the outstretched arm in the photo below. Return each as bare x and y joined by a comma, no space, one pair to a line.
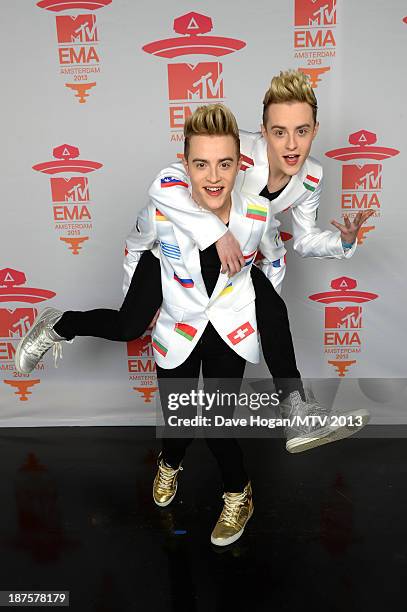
171,195
310,241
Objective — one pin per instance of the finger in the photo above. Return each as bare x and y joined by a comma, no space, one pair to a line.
338,226
347,222
357,219
367,214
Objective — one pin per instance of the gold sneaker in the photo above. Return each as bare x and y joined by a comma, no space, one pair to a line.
165,483
237,509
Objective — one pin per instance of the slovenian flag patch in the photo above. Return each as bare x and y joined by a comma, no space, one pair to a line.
257,211
160,348
172,181
185,330
310,182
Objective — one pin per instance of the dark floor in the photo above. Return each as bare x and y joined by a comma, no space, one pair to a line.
328,532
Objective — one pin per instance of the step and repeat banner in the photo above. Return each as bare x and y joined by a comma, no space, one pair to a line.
94,97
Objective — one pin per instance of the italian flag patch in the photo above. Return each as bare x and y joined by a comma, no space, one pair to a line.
310,182
185,330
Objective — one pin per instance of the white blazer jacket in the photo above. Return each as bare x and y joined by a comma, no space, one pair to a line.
186,307
170,194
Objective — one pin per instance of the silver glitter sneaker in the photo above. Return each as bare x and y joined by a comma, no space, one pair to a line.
39,338
313,424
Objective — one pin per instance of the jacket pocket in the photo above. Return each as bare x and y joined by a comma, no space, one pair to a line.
175,312
244,301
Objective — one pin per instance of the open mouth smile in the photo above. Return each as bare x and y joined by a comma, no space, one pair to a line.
213,191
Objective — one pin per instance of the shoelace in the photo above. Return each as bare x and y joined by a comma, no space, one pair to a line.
231,508
57,352
166,476
40,346
43,344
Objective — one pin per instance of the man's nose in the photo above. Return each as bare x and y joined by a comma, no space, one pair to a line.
291,143
213,174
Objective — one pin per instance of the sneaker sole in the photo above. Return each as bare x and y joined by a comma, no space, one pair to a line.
23,340
163,504
234,537
298,445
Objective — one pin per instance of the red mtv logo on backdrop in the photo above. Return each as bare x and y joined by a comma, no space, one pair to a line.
76,28
315,12
139,347
347,317
203,81
16,323
75,189
365,177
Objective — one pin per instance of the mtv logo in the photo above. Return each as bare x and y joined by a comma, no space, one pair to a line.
367,177
16,323
140,346
315,13
345,317
76,29
75,189
201,82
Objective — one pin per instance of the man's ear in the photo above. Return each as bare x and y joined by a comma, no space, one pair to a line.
185,164
263,130
239,162
316,128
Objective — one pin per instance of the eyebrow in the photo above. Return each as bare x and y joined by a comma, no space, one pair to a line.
282,127
197,159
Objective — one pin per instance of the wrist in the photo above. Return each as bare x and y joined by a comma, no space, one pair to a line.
347,245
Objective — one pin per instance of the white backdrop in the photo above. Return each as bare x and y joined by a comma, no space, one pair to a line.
86,82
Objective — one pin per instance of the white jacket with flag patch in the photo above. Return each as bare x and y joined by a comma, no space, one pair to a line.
186,307
301,197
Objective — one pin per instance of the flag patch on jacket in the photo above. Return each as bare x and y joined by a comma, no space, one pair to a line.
240,333
172,181
277,263
246,162
257,211
185,330
310,182
170,250
159,216
249,258
185,282
227,289
160,348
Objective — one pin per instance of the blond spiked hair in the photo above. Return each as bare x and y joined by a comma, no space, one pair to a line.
290,86
212,120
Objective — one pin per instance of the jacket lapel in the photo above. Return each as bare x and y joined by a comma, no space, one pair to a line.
241,228
190,256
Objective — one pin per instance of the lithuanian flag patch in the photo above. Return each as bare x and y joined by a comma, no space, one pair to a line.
257,211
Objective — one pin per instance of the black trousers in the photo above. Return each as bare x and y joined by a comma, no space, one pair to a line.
144,297
215,356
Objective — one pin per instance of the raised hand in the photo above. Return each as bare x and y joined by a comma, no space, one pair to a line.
349,230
